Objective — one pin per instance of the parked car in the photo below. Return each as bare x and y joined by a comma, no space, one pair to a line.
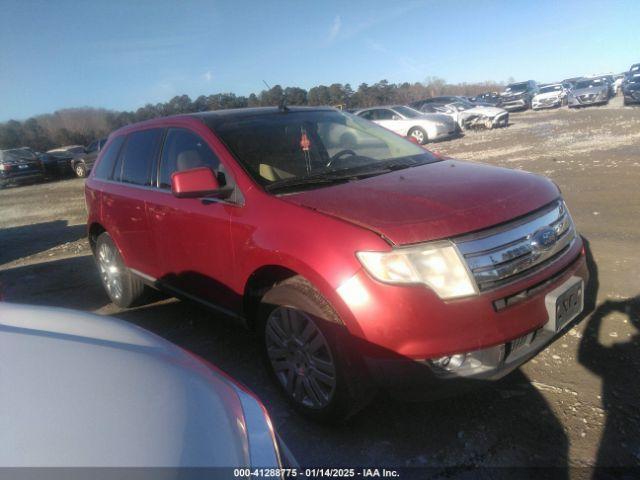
56,163
83,163
464,113
488,98
518,96
73,149
361,265
631,87
409,122
609,79
18,165
81,390
589,91
549,96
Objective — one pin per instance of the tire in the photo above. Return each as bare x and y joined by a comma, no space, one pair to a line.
419,134
123,288
306,350
80,170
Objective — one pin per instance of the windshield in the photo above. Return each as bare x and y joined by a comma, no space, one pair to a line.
592,82
408,112
18,154
551,88
309,147
516,87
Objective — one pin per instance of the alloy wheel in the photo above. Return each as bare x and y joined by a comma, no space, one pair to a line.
418,135
110,271
300,357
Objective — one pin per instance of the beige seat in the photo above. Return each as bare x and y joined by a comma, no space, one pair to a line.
271,173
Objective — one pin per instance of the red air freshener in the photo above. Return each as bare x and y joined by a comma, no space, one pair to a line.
304,142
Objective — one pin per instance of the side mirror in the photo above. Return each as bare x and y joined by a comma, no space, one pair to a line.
196,183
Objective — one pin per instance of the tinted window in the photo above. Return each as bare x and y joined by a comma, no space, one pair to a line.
138,156
383,114
92,147
367,114
104,169
184,150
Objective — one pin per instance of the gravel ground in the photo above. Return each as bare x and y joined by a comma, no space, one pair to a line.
575,405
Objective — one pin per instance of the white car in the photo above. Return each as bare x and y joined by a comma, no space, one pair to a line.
466,114
409,122
549,96
79,390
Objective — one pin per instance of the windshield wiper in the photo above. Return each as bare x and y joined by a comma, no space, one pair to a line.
326,178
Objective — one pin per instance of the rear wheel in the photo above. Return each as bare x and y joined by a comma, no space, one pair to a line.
80,169
306,351
123,288
419,134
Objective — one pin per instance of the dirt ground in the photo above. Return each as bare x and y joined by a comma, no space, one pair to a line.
576,404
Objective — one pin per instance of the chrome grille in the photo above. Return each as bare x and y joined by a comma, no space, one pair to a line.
499,255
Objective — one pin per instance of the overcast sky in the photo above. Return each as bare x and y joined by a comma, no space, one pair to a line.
123,54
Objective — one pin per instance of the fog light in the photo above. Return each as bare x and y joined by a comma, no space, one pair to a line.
450,362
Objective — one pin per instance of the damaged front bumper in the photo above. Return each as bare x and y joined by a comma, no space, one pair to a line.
478,121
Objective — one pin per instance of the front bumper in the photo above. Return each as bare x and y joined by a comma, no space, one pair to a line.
552,103
401,328
587,99
632,97
516,104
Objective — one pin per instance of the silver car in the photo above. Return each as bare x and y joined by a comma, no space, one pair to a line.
589,91
80,390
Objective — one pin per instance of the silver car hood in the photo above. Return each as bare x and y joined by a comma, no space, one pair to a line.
488,111
83,390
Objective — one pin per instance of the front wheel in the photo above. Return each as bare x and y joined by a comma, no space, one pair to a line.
121,286
306,351
80,169
419,134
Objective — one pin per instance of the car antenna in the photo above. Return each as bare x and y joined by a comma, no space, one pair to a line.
282,105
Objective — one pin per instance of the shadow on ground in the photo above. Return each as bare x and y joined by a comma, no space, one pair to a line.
509,424
27,240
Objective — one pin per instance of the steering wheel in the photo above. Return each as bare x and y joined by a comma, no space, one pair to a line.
340,155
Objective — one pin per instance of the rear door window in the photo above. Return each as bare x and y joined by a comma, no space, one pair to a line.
138,156
184,150
104,169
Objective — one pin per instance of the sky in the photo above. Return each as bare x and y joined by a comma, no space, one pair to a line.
121,54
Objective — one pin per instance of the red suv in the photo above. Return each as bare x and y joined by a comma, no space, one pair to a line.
360,258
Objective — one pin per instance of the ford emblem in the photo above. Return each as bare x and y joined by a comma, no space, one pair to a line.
543,239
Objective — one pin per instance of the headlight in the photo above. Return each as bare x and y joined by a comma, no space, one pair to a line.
437,265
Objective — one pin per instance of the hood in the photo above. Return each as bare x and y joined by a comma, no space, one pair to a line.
582,91
541,96
95,391
512,94
484,110
438,200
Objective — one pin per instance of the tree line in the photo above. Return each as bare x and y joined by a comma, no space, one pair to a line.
80,126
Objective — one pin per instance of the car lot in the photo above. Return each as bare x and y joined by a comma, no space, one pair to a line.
561,409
